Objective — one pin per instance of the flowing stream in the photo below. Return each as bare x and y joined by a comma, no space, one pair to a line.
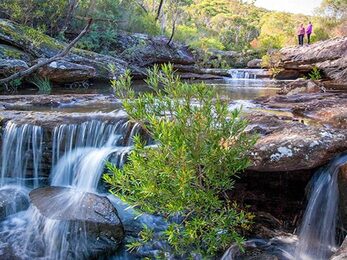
78,155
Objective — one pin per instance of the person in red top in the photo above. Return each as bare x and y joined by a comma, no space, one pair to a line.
301,34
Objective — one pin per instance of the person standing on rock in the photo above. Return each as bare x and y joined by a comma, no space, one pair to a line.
301,34
308,32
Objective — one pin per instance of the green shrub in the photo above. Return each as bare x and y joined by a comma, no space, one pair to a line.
185,33
43,84
207,43
270,62
201,148
315,74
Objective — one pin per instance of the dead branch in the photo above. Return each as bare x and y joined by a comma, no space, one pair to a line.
58,56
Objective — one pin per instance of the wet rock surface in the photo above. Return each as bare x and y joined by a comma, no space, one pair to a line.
342,179
341,253
83,212
322,108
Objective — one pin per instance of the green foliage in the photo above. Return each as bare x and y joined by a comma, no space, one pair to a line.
207,43
315,74
185,33
43,84
99,39
270,61
36,13
145,236
201,148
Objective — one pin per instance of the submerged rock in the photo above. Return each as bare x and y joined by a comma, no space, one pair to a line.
90,221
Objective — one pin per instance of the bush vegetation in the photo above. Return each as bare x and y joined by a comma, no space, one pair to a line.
218,24
200,149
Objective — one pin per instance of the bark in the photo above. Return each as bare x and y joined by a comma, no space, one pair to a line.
60,55
69,16
161,4
172,32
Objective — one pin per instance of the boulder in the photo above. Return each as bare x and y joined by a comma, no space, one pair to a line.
90,221
341,253
285,74
313,108
9,52
254,64
38,45
12,200
142,50
302,86
290,146
8,67
64,71
329,56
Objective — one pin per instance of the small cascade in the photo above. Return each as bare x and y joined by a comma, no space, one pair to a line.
317,235
85,152
88,134
247,73
316,239
80,152
21,154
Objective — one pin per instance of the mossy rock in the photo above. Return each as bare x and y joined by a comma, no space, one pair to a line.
36,45
10,52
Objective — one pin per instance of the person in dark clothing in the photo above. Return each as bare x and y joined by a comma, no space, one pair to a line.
301,34
308,32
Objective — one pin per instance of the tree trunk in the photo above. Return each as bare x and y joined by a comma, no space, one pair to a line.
172,32
69,16
161,4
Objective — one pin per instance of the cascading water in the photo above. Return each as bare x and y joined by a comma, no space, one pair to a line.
79,152
316,239
317,235
86,148
21,154
246,73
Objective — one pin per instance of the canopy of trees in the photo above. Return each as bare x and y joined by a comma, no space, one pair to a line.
219,24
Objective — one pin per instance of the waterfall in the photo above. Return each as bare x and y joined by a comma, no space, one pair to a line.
246,73
316,239
86,148
317,233
79,154
21,153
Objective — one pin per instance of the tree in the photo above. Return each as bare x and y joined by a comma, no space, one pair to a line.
201,147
